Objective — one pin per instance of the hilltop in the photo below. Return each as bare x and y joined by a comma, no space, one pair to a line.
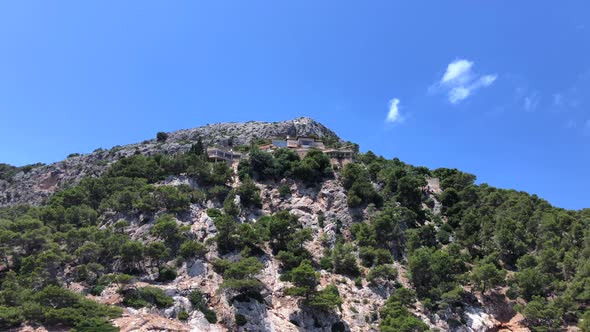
159,235
32,184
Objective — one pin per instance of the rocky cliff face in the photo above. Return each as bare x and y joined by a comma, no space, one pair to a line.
276,311
34,186
279,312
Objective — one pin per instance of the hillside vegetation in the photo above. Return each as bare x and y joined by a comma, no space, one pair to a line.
424,255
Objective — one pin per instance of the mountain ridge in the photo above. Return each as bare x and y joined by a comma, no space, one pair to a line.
39,181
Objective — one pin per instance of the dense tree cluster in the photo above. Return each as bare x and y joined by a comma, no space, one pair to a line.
41,247
482,233
285,163
395,317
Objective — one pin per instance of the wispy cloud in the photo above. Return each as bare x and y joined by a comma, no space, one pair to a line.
532,101
575,95
558,99
393,115
460,81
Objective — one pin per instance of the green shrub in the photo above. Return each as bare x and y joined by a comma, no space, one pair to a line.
396,318
213,213
344,260
313,168
161,136
262,165
97,290
381,274
229,205
54,305
357,182
167,229
95,325
199,302
543,315
167,274
171,199
197,299
147,297
136,166
218,192
240,275
486,276
584,322
370,256
358,282
405,296
240,320
183,315
191,249
304,277
249,193
327,299
326,262
284,190
226,229
10,317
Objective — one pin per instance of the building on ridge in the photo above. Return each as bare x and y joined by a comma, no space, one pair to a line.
219,154
302,144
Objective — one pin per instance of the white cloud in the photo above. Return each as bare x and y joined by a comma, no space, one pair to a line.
457,71
459,93
459,81
393,115
531,102
487,80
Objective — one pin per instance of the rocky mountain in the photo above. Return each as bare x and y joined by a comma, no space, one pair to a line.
37,183
154,237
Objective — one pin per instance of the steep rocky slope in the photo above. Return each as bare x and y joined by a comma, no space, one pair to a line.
279,312
405,248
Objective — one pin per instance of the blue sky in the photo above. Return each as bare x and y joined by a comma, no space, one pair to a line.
496,88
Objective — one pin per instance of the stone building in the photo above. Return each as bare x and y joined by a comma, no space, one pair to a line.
219,154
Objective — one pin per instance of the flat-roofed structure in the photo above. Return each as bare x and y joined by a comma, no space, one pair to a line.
339,153
218,154
279,143
340,157
304,142
299,144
